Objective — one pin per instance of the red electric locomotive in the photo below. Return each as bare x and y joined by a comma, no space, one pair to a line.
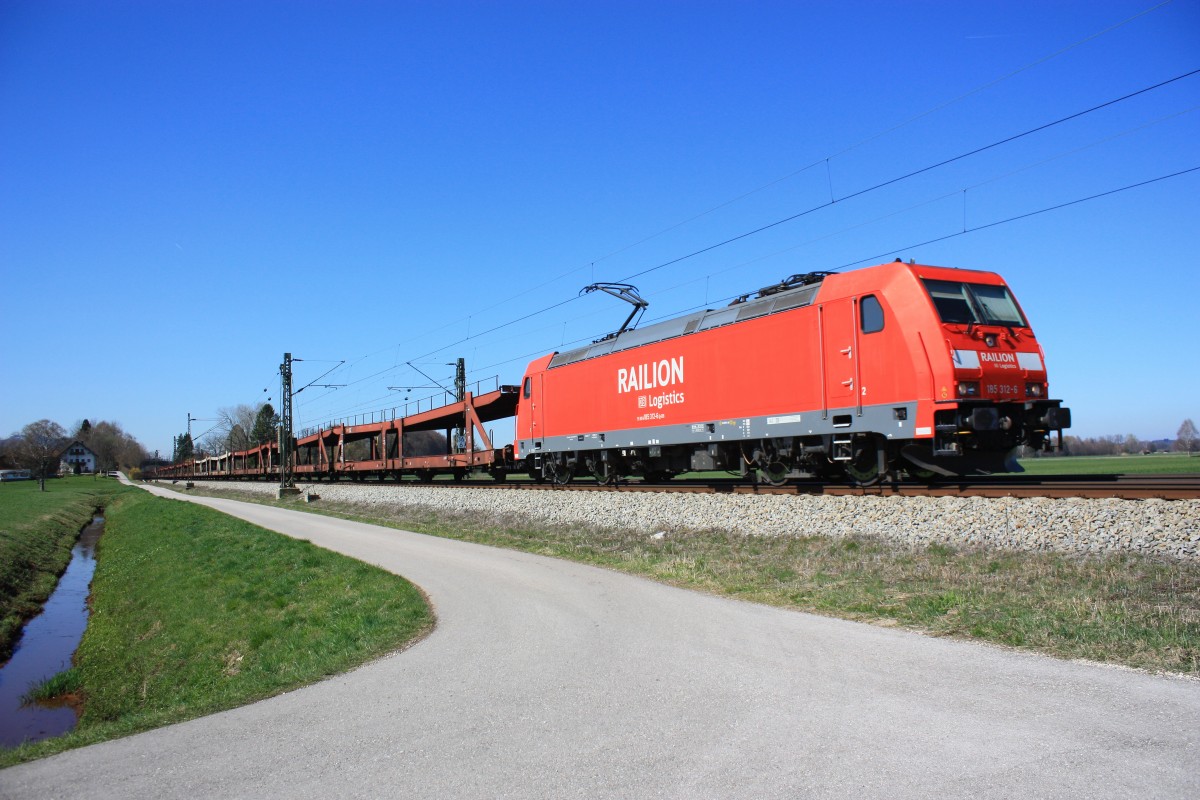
897,367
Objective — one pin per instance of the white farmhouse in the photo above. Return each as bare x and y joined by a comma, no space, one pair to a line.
77,458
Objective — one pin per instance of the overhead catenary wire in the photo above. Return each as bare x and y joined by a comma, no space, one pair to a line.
777,223
893,250
939,197
884,254
880,134
852,195
912,174
818,162
1021,216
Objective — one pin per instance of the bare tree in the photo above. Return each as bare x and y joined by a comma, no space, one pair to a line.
1185,437
231,431
42,443
114,448
211,443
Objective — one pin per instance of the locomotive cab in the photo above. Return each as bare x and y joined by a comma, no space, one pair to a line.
991,392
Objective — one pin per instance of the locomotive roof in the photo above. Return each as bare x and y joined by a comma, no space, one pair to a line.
772,300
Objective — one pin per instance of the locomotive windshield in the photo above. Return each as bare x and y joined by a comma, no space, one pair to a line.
978,303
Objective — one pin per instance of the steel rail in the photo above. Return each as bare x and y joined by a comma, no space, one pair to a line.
1127,487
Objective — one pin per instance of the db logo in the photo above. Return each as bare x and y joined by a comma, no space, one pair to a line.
945,393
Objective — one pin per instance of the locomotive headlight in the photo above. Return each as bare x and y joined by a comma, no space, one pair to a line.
1034,390
968,388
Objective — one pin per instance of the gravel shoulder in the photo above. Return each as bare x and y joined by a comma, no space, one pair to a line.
1168,528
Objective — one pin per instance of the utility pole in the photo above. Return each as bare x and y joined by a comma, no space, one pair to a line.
286,484
460,380
460,394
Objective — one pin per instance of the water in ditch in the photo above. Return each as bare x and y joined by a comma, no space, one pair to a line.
46,647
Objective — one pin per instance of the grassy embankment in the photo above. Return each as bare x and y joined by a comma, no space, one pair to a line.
1153,464
195,612
37,531
1121,609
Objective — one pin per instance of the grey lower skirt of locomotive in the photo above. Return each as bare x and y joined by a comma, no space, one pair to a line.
981,438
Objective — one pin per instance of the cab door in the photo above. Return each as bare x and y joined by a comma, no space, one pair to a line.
839,352
530,418
883,358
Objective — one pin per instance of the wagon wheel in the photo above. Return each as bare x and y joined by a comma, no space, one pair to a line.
916,466
863,469
604,473
921,474
774,474
561,475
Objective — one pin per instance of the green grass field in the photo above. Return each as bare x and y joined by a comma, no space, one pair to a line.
1153,464
195,612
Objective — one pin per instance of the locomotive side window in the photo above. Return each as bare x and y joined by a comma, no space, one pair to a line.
528,388
978,303
870,314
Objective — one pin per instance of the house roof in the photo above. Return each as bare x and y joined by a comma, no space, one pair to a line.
67,449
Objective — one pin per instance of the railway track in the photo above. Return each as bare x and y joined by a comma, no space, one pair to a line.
1128,487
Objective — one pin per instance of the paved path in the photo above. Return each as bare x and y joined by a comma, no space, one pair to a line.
547,679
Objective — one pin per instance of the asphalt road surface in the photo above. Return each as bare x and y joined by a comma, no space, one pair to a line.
547,679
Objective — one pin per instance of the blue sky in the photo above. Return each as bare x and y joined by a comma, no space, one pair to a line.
190,189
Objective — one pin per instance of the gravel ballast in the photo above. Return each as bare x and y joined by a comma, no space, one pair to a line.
1151,527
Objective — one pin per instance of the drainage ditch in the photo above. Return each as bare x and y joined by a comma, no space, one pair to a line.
47,647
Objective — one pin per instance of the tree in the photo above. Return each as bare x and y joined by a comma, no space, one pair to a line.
114,448
212,443
230,432
240,427
264,426
1186,436
424,443
10,452
238,438
183,451
42,443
